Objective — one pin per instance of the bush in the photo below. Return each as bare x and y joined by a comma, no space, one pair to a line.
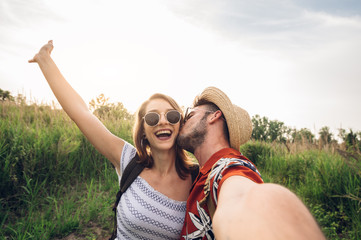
257,152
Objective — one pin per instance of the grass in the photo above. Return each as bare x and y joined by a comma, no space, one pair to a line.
54,183
67,210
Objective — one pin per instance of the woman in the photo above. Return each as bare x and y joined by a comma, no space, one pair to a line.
152,207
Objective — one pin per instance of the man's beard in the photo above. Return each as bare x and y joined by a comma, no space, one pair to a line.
195,138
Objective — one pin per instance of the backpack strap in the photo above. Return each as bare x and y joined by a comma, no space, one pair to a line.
131,172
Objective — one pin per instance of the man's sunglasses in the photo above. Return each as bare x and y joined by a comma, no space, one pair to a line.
190,112
153,118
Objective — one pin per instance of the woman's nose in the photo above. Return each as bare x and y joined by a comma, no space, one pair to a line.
163,119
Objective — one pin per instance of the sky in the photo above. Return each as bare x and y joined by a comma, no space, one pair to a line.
298,62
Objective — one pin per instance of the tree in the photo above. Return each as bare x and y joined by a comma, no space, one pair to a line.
325,135
266,130
102,108
351,141
5,95
276,131
303,135
260,126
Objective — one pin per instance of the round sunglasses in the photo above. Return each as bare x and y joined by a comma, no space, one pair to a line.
153,118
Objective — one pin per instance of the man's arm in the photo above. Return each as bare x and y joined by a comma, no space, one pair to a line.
247,210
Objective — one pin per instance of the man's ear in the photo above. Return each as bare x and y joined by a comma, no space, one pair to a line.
215,116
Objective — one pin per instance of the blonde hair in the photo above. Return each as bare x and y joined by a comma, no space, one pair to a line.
182,162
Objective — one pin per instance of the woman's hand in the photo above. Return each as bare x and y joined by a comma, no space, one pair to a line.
44,51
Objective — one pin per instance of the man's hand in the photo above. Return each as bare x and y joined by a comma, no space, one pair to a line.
247,210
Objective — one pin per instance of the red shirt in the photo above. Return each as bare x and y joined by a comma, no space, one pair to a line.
227,162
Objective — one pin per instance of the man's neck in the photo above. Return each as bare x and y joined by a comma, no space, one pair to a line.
204,152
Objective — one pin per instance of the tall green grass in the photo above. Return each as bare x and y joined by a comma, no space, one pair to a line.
53,182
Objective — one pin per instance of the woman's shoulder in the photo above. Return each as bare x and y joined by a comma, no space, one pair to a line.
128,154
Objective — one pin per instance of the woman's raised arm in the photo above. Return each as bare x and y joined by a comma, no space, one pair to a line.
100,137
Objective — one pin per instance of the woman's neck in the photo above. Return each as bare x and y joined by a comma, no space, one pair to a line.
164,161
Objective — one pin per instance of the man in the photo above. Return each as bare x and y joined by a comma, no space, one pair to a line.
228,199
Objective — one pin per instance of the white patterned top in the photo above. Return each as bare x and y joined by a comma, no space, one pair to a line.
143,212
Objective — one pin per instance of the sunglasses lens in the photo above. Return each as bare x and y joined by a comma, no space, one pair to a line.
173,116
151,118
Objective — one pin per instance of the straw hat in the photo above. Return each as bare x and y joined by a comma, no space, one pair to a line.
238,121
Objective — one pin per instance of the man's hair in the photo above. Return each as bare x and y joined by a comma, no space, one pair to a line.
213,108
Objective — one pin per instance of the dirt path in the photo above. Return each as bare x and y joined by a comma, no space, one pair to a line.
93,232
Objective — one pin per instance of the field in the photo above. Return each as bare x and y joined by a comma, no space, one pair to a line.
55,185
